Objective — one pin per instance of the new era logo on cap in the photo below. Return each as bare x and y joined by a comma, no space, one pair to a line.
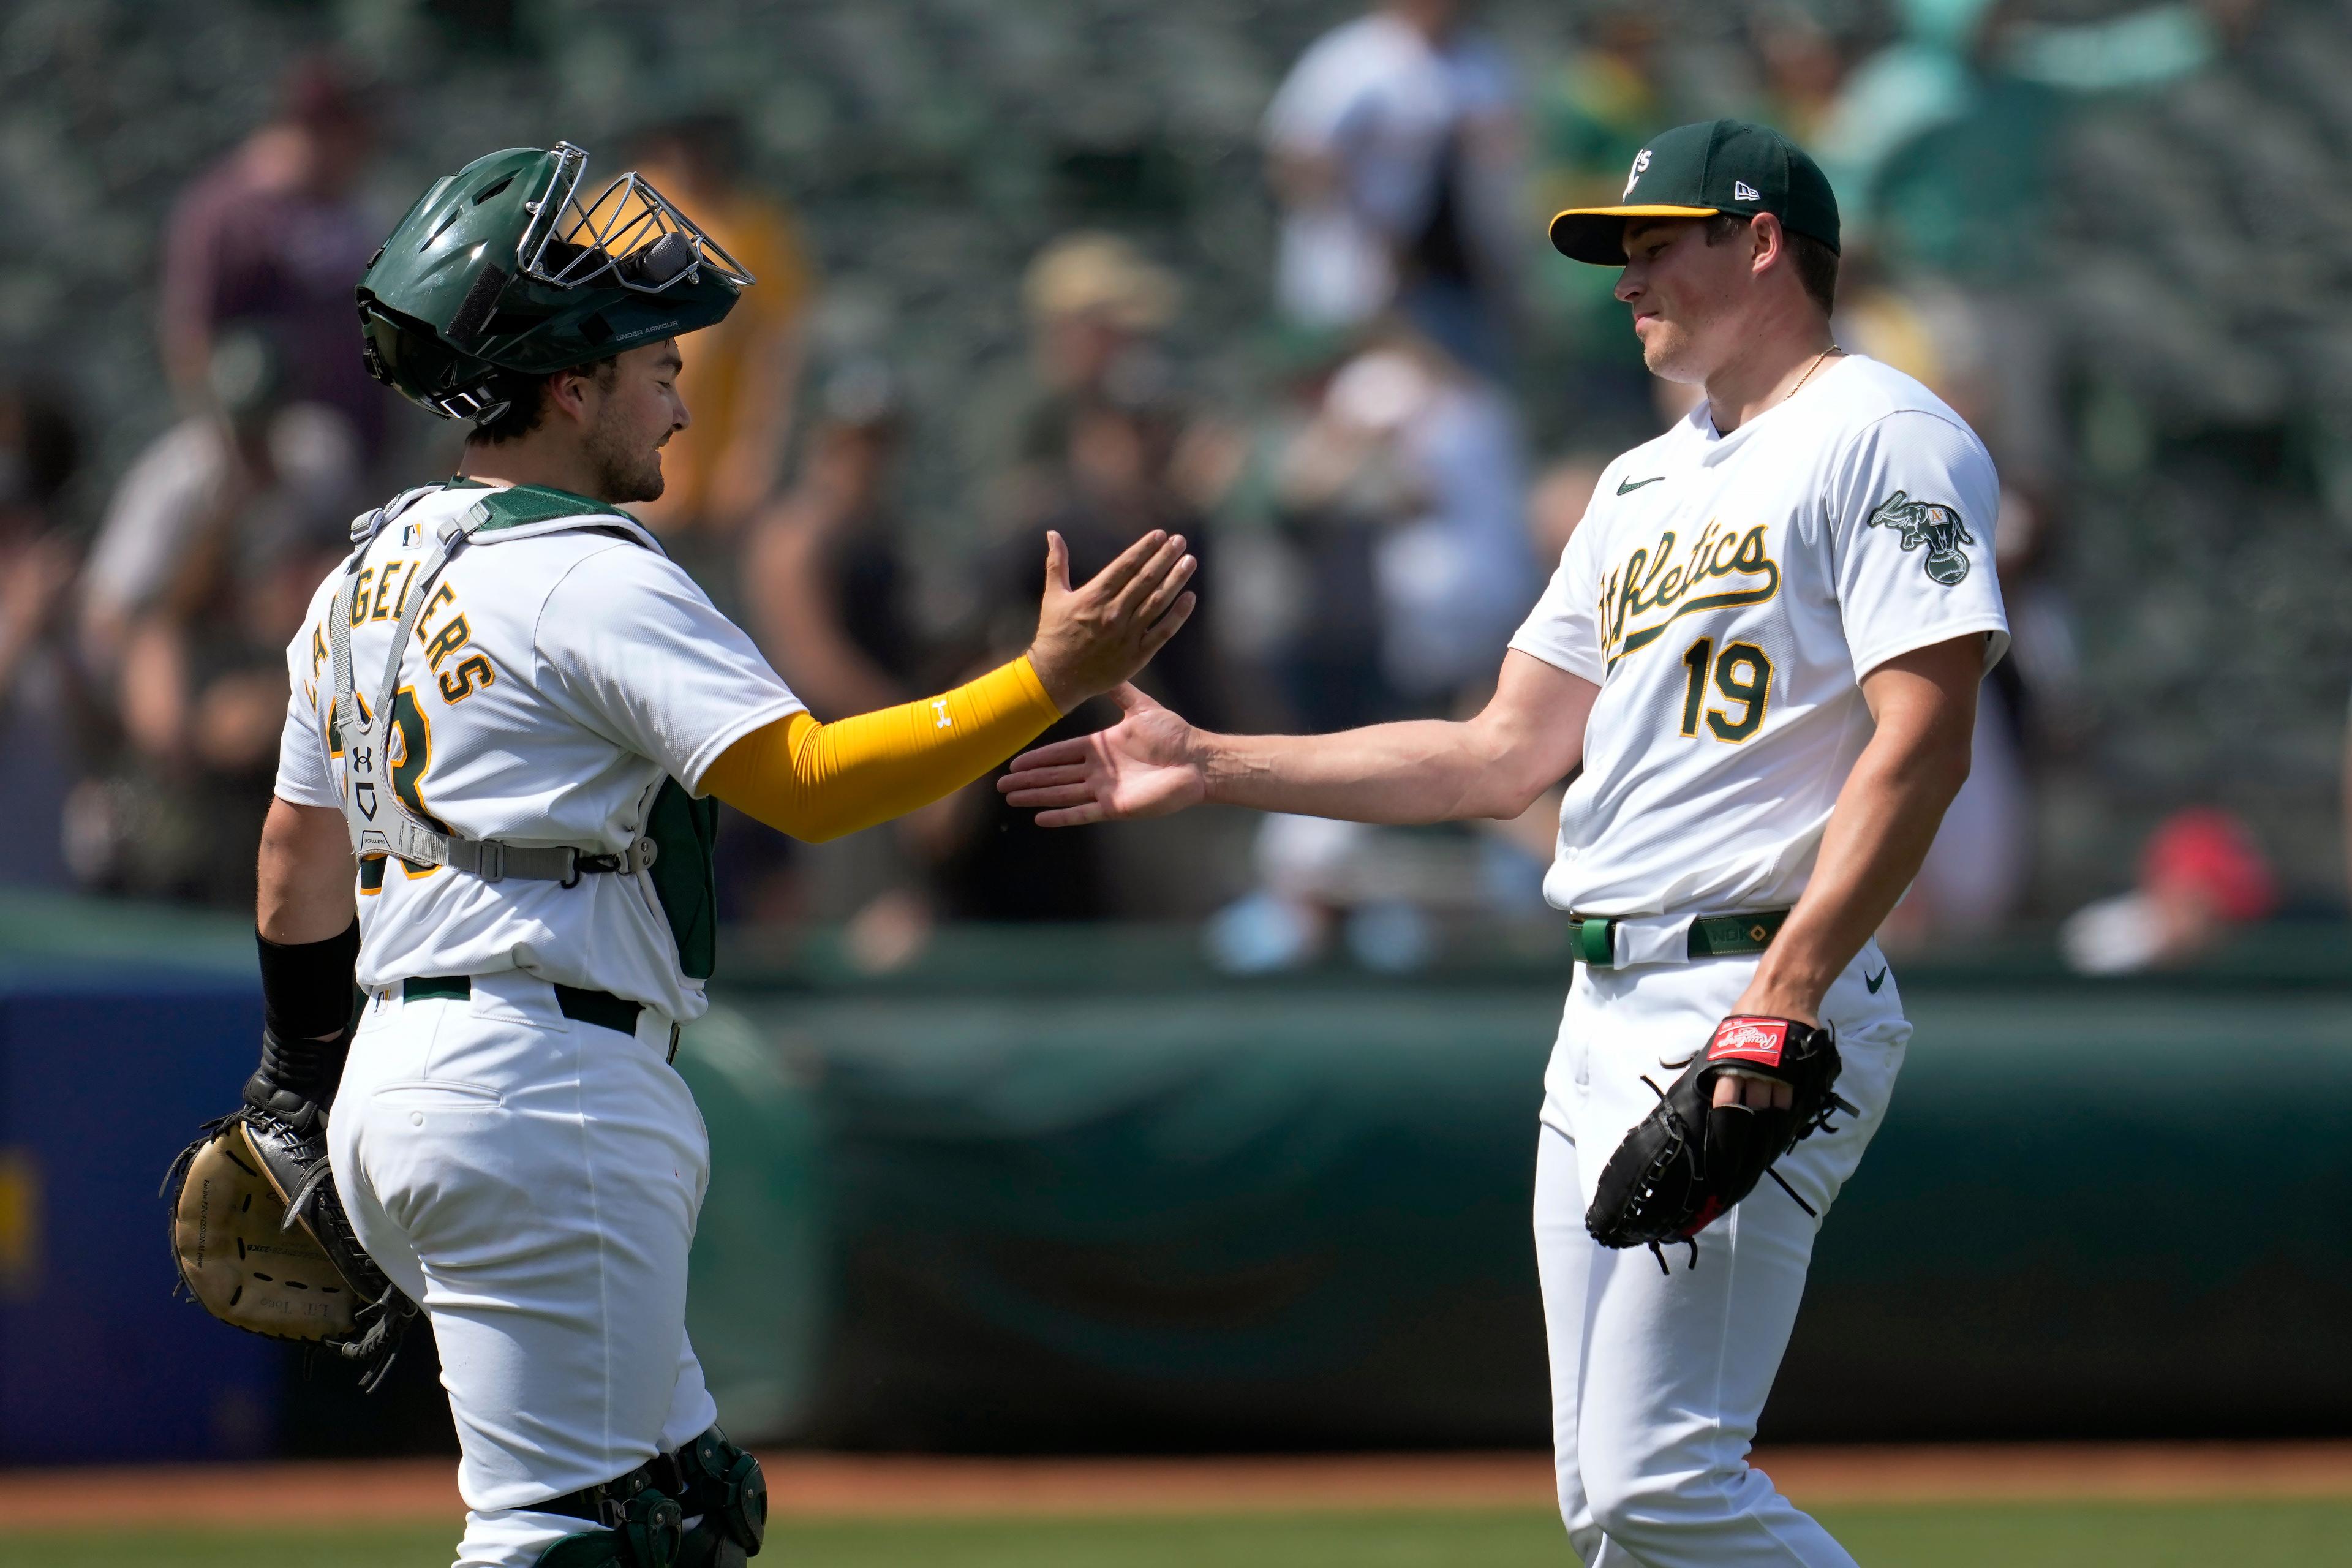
1741,190
1749,1040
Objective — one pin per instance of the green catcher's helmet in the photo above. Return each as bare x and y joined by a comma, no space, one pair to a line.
501,273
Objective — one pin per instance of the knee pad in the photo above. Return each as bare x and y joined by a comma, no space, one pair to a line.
651,1533
723,1484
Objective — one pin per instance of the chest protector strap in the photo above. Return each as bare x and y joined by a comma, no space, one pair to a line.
380,822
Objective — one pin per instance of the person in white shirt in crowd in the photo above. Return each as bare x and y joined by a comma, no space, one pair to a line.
1394,151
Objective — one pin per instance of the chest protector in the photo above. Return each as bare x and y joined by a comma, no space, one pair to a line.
380,821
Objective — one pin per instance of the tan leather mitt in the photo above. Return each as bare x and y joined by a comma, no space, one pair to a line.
263,1245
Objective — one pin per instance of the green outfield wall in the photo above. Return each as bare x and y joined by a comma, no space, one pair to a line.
1067,1189
1058,1190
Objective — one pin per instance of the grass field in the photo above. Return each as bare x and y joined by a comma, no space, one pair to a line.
2281,1534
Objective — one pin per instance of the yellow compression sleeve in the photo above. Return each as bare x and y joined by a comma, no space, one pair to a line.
819,780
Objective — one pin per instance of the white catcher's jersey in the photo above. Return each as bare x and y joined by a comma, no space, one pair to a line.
1727,594
562,673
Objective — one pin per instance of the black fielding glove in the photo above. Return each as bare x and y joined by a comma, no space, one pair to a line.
1690,1159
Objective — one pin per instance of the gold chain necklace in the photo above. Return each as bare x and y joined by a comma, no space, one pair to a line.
1825,353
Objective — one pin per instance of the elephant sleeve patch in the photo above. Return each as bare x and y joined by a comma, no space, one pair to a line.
1931,524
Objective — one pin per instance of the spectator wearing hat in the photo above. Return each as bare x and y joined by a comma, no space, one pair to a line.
1097,308
2201,876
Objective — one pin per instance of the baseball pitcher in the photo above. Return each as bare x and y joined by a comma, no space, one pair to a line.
510,712
1761,648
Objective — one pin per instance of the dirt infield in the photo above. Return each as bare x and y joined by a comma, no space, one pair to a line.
838,1486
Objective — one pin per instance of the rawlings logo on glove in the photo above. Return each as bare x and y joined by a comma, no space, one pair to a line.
1749,1040
1690,1159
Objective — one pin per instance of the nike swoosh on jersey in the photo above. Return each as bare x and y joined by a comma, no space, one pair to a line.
1874,980
1625,484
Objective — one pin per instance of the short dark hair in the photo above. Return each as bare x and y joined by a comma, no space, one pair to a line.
527,405
1816,263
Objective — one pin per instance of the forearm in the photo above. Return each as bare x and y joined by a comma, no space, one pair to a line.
818,781
309,943
305,874
1885,819
1420,771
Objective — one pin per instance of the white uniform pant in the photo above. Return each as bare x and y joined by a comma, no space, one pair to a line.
533,1182
1658,1379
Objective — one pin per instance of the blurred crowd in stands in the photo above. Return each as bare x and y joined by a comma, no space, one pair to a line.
1376,500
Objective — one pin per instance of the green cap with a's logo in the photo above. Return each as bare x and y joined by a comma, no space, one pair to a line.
1699,171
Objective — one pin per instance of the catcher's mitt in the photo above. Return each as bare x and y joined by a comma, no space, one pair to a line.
1689,1160
263,1244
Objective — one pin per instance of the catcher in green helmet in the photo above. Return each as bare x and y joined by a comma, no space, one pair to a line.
487,900
501,274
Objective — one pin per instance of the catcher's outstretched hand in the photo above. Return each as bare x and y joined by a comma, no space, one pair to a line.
1145,765
1097,634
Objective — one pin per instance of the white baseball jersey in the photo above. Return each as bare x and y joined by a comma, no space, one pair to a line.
564,671
1728,593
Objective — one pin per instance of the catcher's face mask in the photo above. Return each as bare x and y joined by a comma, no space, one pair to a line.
513,267
630,234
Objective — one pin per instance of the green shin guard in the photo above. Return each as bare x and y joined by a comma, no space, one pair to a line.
710,1481
651,1534
707,1545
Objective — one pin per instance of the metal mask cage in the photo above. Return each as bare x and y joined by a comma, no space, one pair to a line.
630,234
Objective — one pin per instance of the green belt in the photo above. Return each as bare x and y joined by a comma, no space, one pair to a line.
601,1008
1594,938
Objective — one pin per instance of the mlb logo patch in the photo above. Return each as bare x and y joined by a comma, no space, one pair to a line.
1749,1040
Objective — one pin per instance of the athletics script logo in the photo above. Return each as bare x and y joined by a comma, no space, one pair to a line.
1930,523
1729,565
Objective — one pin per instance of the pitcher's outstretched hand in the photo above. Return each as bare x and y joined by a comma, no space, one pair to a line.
1097,636
1147,764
